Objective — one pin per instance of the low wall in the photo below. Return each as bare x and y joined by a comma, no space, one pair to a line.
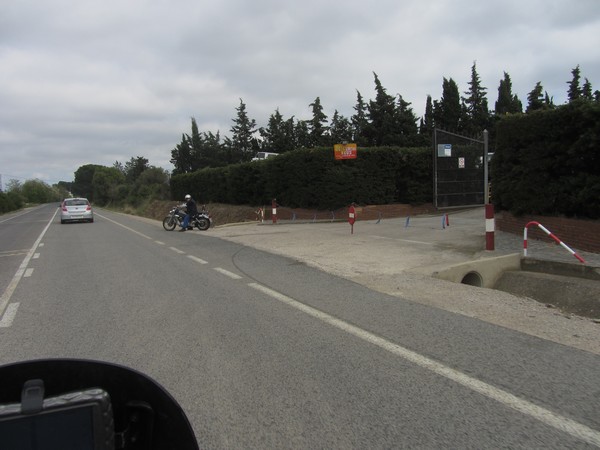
576,233
368,212
487,271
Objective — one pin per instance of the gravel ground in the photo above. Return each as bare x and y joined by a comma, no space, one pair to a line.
398,260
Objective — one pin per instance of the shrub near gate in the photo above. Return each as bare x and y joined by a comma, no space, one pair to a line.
548,162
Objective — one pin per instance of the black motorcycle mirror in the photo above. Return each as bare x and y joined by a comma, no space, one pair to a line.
83,404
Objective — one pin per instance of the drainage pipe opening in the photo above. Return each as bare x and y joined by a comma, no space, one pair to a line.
472,279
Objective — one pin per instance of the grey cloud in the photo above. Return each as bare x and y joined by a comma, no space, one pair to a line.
93,82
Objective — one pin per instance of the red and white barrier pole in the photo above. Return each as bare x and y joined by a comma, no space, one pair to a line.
490,227
274,210
556,239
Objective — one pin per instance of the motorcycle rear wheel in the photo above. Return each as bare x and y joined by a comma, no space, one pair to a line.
169,223
203,224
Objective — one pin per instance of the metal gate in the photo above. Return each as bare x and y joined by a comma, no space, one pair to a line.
460,170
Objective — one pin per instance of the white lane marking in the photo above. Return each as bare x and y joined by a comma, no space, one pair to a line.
28,272
9,315
176,250
124,226
41,244
198,260
36,255
8,292
228,273
27,211
403,240
160,242
546,416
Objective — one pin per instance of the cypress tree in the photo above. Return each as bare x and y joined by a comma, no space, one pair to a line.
243,143
575,90
477,113
359,121
447,112
507,102
317,127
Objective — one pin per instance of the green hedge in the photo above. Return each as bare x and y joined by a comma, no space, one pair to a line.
312,178
548,162
10,201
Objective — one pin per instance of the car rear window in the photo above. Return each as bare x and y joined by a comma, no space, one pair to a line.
76,202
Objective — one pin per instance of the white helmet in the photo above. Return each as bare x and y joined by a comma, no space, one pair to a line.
188,196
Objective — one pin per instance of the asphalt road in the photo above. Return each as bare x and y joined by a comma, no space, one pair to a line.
263,351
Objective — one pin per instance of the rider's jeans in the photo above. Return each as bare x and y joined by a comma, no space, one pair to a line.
186,221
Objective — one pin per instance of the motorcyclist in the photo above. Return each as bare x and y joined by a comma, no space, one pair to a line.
191,211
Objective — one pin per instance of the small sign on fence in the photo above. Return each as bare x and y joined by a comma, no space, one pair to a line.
444,150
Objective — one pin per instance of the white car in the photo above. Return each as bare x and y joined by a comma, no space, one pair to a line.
76,210
263,155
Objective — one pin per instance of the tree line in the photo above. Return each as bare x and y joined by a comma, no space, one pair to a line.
131,184
386,120
17,194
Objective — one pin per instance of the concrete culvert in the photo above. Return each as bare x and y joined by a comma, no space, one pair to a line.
472,279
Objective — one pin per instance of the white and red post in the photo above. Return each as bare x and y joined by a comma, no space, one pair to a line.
274,210
490,227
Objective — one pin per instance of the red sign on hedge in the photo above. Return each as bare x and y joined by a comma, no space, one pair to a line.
344,151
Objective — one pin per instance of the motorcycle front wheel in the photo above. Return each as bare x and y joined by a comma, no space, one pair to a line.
169,223
203,224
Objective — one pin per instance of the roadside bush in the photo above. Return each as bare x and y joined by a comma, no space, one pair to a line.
10,201
312,178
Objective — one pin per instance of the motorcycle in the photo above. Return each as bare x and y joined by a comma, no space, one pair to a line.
202,220
86,404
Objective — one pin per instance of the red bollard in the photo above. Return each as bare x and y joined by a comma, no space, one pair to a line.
351,217
274,210
489,227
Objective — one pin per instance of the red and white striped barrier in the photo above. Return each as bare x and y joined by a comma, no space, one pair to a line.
490,227
557,240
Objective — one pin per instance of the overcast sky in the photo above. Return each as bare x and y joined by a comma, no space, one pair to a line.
94,82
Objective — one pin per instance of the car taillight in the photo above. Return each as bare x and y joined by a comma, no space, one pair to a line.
64,208
88,208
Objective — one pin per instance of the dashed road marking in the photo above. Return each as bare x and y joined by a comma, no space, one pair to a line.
228,273
8,292
198,260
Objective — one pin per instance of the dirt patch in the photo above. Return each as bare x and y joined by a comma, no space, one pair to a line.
222,214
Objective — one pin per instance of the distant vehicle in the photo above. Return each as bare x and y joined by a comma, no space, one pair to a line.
76,210
263,155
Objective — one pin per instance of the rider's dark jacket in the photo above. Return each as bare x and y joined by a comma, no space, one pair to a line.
191,208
